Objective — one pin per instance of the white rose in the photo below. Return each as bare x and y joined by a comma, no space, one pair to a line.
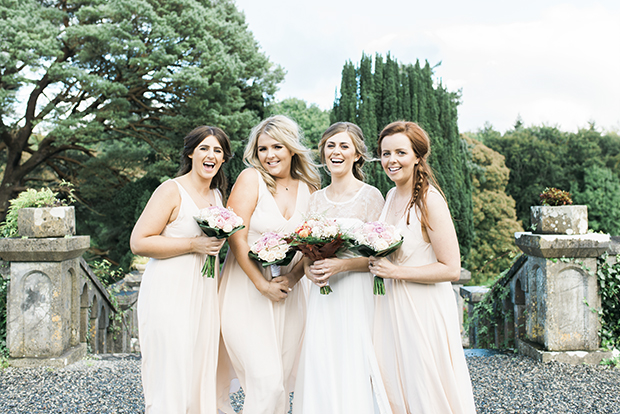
381,244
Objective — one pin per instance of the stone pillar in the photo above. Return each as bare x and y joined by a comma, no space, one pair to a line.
472,295
456,288
560,289
43,304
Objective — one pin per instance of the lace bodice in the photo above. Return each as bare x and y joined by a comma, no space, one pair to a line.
364,206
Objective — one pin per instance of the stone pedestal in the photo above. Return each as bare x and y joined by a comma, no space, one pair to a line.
472,295
43,305
456,288
558,301
46,221
560,288
560,219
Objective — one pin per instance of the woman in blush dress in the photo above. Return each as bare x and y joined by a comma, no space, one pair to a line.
178,311
263,316
417,335
338,371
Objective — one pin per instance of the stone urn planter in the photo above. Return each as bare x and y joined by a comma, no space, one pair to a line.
46,222
568,219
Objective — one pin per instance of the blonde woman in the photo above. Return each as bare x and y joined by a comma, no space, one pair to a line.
417,333
263,317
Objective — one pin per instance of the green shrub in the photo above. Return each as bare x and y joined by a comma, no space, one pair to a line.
555,197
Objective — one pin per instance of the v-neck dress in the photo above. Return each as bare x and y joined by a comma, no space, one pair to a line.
178,319
417,334
263,338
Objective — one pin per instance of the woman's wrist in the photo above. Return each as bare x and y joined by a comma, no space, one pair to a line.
262,286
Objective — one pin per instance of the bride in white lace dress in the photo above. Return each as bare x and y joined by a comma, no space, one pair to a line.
338,371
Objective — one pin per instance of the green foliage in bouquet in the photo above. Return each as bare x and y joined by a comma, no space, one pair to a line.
284,262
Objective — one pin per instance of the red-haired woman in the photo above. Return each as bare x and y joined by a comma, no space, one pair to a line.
417,335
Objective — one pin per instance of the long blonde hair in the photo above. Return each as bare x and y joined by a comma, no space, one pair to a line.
284,130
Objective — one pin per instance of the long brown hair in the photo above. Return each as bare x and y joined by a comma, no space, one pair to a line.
422,172
192,140
357,137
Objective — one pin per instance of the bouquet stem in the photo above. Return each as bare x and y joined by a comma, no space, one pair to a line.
208,268
326,290
379,288
275,270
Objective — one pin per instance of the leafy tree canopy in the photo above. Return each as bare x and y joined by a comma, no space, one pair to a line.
312,119
495,220
142,71
586,163
101,93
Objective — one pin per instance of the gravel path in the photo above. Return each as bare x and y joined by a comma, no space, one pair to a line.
502,384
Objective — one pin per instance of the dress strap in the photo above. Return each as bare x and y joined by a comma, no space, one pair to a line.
182,191
387,205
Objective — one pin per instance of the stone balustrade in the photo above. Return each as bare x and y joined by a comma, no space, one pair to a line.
56,307
549,313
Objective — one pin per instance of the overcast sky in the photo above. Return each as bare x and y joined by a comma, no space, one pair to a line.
551,62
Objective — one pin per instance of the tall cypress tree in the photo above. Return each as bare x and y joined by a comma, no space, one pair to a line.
407,91
413,91
405,96
389,112
367,119
346,108
378,89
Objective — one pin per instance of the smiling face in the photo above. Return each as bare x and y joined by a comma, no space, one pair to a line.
274,156
398,159
207,157
340,154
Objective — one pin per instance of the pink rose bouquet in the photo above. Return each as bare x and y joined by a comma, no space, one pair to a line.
271,249
219,222
376,239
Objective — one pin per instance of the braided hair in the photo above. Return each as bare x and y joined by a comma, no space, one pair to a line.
423,176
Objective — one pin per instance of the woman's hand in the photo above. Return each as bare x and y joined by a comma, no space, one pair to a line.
288,279
276,289
320,271
382,267
206,245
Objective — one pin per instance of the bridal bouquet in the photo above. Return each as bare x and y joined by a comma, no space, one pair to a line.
376,239
318,238
271,249
219,222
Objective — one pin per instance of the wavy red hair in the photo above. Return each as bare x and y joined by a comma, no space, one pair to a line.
422,172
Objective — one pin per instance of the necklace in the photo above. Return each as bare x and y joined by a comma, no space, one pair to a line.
399,207
210,195
285,186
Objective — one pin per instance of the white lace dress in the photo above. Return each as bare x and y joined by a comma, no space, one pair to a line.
338,370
